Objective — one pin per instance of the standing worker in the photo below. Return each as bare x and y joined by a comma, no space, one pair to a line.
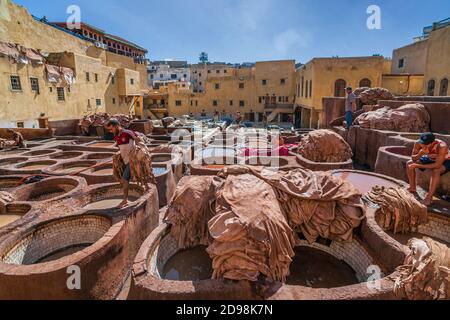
350,106
18,139
125,140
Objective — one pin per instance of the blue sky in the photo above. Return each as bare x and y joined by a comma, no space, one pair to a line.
253,30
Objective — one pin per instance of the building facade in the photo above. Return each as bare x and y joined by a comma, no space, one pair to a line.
104,81
160,73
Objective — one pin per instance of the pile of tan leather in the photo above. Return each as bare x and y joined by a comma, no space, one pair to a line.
324,146
399,211
249,217
408,118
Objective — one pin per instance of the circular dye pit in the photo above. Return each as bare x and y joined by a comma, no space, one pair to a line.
34,166
161,158
216,153
102,144
364,182
71,168
106,170
109,197
9,182
189,265
66,155
9,152
314,268
13,213
55,240
48,189
10,161
402,151
40,153
412,137
98,156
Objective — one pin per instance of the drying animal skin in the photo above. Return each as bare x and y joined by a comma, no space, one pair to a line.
408,118
399,211
425,274
140,165
5,199
100,119
251,236
190,210
370,96
324,146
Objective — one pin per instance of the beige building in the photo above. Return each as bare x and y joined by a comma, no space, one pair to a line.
265,89
104,81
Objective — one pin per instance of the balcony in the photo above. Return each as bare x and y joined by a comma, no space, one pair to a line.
273,106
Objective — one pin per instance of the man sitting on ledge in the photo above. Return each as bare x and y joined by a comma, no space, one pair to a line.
429,154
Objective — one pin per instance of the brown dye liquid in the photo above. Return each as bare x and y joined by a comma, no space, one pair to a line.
189,265
106,172
215,166
107,203
63,253
6,219
317,269
71,170
102,145
35,167
364,182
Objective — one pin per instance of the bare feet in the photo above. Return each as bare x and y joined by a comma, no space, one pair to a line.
412,190
123,204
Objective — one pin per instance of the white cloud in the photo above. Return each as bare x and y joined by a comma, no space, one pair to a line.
248,15
290,40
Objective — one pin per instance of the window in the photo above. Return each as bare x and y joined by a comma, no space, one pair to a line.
310,88
161,76
96,77
88,77
215,103
231,103
209,71
60,94
217,86
132,81
260,99
34,85
217,71
185,75
280,99
401,63
173,76
443,91
151,76
339,88
365,83
15,83
431,87
241,85
241,103
51,89
114,100
192,103
178,103
98,102
303,85
200,83
20,125
306,89
283,82
113,79
68,89
264,82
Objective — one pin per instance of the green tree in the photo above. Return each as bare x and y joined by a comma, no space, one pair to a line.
203,57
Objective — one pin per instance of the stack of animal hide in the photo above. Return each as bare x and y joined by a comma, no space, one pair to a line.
324,146
399,211
371,96
408,118
425,274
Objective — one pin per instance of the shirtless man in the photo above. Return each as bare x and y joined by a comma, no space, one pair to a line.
18,139
429,154
124,139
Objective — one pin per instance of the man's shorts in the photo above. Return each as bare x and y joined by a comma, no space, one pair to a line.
127,173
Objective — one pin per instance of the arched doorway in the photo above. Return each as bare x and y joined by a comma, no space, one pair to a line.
339,88
365,83
431,87
443,91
